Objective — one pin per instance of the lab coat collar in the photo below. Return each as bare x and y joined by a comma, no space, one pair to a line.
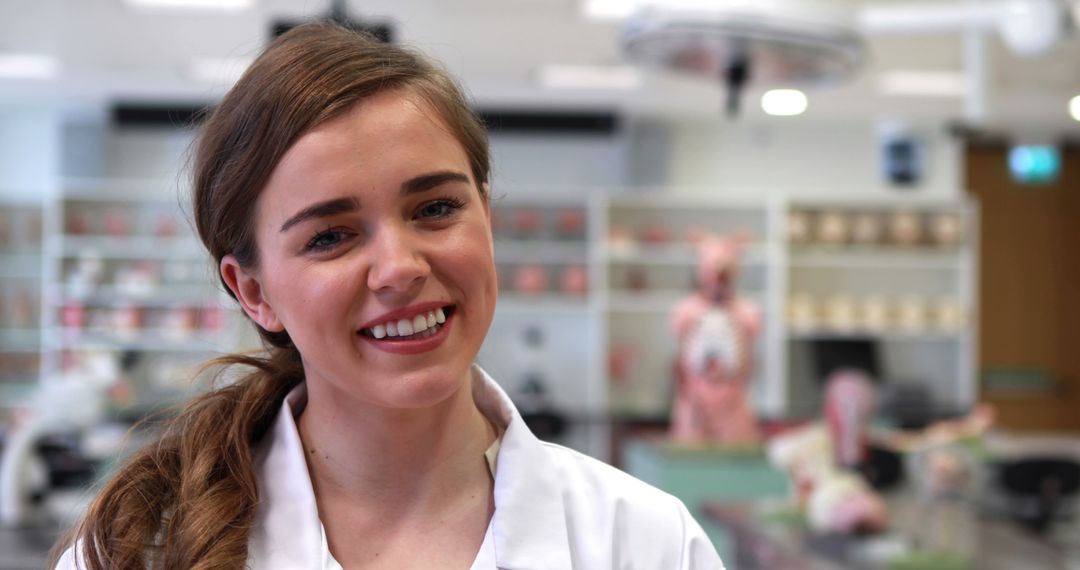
529,524
287,531
530,518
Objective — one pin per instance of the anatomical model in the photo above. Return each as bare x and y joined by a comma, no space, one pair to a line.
821,457
716,330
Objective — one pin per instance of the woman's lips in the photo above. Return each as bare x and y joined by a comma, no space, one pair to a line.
415,344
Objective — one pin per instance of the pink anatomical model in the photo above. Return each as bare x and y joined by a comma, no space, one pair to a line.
716,330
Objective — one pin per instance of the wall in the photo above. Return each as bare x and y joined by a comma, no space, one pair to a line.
802,161
29,153
94,149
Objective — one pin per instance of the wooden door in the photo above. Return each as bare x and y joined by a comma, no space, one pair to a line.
1029,289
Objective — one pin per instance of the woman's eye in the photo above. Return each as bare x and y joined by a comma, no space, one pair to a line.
325,240
438,209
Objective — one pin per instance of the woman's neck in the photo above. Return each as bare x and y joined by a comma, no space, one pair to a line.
387,458
399,489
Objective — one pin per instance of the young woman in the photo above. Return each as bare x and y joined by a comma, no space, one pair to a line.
342,187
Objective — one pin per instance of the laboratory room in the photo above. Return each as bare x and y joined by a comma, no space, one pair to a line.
655,284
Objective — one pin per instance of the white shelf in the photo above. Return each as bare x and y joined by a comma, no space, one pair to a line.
542,304
162,296
877,258
886,336
131,247
120,190
680,255
148,340
547,252
661,300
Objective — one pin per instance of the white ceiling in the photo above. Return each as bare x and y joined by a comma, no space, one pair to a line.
496,46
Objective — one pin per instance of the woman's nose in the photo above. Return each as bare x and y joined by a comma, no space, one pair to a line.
397,264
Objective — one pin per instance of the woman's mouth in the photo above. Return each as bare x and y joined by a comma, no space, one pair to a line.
411,332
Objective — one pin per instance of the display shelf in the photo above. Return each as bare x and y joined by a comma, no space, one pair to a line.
149,190
122,255
895,262
674,254
885,336
902,259
542,251
566,304
130,247
658,301
150,295
21,273
149,340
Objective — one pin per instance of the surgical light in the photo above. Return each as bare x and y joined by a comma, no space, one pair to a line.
784,102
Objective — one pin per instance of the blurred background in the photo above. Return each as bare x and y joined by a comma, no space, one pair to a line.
904,176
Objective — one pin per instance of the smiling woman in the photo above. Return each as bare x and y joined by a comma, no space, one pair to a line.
342,187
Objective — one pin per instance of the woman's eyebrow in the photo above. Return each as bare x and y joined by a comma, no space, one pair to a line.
322,210
428,181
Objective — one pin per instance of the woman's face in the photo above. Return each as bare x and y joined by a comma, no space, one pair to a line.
371,228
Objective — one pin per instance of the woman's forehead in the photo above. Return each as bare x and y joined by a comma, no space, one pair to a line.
382,141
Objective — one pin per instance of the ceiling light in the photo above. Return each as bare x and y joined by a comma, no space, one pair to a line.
589,77
784,102
609,9
28,66
193,4
922,83
1074,107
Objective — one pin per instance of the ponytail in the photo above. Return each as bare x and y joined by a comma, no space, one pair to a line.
188,501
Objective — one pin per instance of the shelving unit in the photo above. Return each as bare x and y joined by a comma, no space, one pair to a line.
126,275
20,302
545,318
641,262
903,281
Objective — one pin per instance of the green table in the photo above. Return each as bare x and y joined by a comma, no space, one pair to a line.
700,474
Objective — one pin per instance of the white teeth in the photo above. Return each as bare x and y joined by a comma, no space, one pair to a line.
419,324
424,323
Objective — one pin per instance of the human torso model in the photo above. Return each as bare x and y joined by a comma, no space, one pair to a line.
716,331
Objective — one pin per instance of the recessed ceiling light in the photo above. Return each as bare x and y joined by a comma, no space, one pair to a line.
193,4
618,9
28,66
609,9
589,77
1074,107
916,83
784,102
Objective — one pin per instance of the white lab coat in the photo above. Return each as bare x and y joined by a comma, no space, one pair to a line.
555,508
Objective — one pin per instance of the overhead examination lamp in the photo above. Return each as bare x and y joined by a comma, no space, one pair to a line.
812,42
339,13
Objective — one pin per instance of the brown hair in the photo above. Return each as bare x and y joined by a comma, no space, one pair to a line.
189,500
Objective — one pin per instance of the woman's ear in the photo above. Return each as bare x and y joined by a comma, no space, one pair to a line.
247,289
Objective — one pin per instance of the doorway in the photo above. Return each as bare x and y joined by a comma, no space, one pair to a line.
1029,279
